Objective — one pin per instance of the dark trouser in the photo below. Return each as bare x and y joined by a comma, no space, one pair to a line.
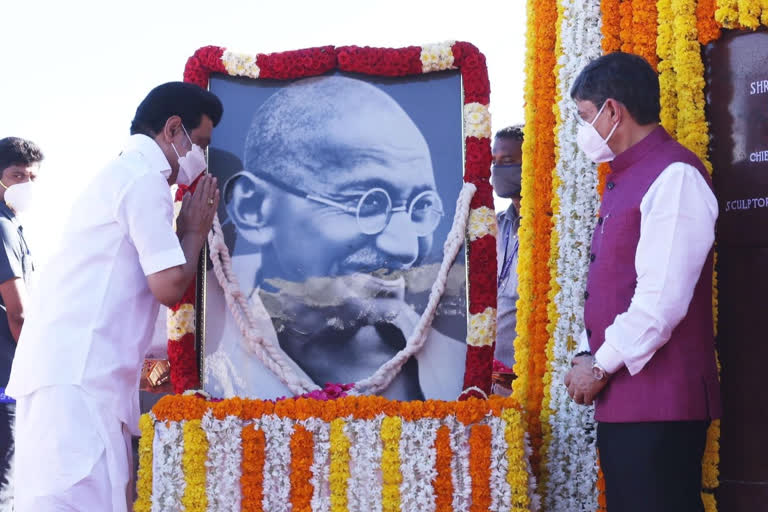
7,413
652,466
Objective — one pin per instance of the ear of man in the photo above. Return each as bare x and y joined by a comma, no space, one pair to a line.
250,206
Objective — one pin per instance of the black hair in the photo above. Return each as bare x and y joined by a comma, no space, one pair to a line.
18,151
624,77
514,132
188,101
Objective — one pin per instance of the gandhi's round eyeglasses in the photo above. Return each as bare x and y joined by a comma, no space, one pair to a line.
374,208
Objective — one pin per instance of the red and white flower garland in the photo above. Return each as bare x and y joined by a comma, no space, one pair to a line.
381,62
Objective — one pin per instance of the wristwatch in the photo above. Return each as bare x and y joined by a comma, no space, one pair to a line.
598,372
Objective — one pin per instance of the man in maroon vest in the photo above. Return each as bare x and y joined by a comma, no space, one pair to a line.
647,356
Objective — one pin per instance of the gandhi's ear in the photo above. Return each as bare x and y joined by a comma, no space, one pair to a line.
250,205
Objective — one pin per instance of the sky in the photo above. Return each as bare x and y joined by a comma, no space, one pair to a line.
74,72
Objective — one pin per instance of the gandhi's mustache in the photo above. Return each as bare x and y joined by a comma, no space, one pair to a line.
370,260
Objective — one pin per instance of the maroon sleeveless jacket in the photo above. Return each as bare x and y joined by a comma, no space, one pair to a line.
680,381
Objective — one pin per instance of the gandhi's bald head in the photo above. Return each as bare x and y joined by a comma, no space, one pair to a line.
317,131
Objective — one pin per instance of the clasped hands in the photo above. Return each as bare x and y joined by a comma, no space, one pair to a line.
582,386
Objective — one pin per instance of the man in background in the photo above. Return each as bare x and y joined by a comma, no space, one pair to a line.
77,369
19,163
506,175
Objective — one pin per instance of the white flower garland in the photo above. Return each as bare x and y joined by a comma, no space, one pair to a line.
482,221
181,322
240,64
321,463
571,454
224,464
417,464
533,495
364,491
460,474
168,481
477,120
277,463
437,57
501,493
482,328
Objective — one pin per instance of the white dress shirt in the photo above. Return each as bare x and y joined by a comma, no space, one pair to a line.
677,230
92,316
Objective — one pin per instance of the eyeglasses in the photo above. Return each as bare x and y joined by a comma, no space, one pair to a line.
374,208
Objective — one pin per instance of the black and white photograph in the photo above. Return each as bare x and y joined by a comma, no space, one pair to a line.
338,193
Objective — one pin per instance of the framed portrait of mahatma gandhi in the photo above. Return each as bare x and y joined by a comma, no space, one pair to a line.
354,243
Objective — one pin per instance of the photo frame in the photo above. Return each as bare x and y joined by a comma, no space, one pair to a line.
212,67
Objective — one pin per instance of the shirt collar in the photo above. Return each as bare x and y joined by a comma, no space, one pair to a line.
150,150
7,212
510,214
637,152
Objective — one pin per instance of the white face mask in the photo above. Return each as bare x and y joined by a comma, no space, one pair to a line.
19,197
592,143
192,164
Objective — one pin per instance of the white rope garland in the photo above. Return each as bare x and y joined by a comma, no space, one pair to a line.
274,358
389,370
270,355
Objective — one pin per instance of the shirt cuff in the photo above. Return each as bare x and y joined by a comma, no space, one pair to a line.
162,260
609,358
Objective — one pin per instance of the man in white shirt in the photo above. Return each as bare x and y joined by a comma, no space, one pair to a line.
506,178
78,364
647,354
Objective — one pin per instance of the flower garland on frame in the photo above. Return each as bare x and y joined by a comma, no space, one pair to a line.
383,62
483,439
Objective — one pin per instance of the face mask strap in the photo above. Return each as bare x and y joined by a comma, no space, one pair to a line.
3,185
191,144
595,120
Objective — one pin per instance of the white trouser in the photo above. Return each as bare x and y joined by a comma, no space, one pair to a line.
71,454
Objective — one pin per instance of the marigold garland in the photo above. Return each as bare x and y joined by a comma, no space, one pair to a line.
479,462
527,233
625,24
727,13
706,24
536,226
339,474
644,30
193,460
391,428
692,127
442,484
301,462
304,419
665,46
144,478
554,287
611,26
515,436
252,479
602,504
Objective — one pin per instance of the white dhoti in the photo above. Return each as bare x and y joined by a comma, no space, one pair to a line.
71,454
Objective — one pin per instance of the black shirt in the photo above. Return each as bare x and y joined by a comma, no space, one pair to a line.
15,262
